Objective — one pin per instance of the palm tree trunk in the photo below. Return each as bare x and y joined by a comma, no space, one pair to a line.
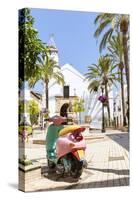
108,107
126,65
47,94
123,98
126,60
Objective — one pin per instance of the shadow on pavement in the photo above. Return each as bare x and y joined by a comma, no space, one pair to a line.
121,138
115,171
95,184
51,174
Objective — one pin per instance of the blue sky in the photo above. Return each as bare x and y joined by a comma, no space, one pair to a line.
73,34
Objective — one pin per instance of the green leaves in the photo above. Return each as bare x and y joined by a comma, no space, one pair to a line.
78,105
109,24
30,46
33,109
47,69
105,39
100,73
93,86
115,48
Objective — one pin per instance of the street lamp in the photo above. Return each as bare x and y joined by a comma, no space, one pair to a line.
114,112
103,124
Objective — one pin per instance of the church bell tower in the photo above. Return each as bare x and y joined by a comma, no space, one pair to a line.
53,49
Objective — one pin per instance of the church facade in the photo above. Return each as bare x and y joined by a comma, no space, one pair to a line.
62,98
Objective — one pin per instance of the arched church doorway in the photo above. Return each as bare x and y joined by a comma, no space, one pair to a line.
63,110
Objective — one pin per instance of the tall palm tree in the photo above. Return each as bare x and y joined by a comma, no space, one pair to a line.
117,53
124,26
101,74
105,27
109,24
47,69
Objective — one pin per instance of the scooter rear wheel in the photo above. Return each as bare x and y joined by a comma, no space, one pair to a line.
51,164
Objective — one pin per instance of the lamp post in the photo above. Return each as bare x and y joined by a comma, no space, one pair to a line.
114,113
103,124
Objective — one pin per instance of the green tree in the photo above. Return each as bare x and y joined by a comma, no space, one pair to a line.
124,26
22,107
102,74
33,110
116,50
47,70
78,107
107,25
30,46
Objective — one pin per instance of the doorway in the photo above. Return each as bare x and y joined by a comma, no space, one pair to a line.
63,110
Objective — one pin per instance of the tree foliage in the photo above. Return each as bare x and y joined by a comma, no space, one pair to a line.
109,24
116,51
47,70
78,105
108,27
102,74
30,46
33,110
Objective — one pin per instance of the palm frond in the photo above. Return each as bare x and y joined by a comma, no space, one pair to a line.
101,27
58,77
94,86
106,38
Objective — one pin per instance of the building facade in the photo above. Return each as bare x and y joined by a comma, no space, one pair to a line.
62,98
118,110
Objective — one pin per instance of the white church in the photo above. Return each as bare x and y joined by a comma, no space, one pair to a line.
61,98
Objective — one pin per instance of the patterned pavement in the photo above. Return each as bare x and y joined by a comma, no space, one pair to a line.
108,165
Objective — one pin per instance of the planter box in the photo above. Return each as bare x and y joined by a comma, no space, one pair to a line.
28,174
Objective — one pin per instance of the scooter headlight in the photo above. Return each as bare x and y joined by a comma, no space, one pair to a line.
77,136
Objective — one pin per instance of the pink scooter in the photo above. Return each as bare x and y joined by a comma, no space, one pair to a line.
70,148
69,154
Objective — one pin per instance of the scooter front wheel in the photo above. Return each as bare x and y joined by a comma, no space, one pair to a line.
77,168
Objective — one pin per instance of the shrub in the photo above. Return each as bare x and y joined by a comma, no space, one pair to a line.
27,128
25,162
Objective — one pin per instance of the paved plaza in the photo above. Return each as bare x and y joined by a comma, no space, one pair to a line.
107,156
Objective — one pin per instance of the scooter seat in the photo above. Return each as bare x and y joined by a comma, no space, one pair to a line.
70,129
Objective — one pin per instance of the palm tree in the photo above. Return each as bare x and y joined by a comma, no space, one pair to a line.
116,52
109,24
104,20
101,74
47,69
124,26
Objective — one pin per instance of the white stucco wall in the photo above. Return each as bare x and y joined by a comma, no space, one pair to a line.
75,80
72,78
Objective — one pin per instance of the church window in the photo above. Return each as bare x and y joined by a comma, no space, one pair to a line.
66,91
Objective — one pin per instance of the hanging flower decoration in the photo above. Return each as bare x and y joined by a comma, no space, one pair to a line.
103,99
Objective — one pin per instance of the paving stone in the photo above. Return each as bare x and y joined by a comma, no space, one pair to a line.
108,165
